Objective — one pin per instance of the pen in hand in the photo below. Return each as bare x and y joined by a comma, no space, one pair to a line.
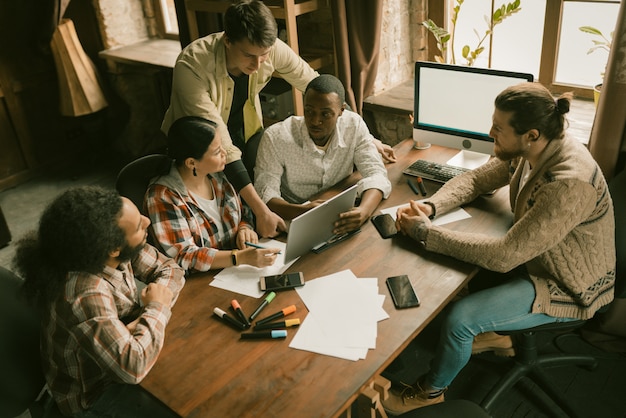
250,244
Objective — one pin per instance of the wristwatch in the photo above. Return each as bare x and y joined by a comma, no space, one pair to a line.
432,215
233,257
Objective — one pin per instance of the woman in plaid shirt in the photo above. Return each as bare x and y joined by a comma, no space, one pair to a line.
197,217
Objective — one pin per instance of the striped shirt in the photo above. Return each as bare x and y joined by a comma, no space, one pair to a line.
85,345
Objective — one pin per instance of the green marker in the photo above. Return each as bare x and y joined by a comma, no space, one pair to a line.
263,304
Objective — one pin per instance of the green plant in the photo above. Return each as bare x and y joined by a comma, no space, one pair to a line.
599,40
445,38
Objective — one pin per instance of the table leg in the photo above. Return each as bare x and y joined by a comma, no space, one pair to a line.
368,404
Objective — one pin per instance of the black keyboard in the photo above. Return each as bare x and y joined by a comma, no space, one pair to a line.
434,171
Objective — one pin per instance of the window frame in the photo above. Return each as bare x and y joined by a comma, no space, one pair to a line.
159,14
437,11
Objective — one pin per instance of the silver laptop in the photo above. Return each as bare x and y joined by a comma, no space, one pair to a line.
315,226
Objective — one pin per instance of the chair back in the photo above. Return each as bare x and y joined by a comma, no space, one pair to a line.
132,180
21,376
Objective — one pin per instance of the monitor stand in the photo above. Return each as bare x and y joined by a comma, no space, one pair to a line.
469,159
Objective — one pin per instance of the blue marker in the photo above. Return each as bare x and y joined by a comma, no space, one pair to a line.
276,333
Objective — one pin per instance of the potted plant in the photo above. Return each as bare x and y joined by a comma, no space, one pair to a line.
599,42
445,38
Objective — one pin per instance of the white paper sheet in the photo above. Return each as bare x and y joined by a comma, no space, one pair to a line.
452,216
343,316
244,279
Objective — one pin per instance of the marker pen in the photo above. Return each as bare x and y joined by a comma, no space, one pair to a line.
229,319
237,308
413,186
278,325
276,333
420,183
286,311
263,304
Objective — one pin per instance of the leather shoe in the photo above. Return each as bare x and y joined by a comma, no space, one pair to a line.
501,345
408,398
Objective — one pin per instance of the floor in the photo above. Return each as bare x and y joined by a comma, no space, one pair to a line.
598,393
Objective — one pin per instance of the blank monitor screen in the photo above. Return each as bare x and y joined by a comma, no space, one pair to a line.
454,104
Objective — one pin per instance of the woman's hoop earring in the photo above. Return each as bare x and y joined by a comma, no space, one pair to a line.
194,172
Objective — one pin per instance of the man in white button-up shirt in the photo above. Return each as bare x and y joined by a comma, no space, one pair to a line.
303,156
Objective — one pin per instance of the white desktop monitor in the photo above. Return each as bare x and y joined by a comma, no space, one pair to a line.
454,105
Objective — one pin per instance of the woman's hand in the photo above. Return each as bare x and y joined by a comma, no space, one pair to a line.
258,257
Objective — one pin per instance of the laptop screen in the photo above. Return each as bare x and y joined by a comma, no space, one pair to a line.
315,226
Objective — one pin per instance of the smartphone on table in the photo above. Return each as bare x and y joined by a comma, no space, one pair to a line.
385,225
402,292
281,282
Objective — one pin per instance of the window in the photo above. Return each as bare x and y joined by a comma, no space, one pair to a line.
167,23
543,39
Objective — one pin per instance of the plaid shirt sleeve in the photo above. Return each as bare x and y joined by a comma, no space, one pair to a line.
171,229
122,355
151,266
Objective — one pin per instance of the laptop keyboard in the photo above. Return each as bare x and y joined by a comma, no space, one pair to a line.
434,171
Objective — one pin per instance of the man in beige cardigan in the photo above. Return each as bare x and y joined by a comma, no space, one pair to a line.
557,261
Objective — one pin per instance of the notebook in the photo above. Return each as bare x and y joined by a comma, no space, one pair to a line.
315,226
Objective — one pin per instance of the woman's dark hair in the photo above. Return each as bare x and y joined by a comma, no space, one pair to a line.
190,137
326,84
534,107
251,20
77,232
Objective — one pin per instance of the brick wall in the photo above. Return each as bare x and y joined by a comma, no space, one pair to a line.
403,41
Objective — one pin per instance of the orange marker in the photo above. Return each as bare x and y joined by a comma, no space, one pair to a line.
239,312
284,312
420,184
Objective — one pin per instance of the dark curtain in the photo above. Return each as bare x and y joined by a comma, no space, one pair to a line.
357,26
608,134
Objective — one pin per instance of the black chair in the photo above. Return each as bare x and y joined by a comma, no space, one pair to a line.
528,363
21,379
132,180
454,408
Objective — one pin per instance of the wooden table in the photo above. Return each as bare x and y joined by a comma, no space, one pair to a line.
204,369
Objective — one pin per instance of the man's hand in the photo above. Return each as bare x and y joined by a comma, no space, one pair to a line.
413,220
157,293
246,235
388,154
350,220
270,224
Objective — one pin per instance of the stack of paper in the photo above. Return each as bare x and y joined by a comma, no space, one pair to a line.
343,315
244,279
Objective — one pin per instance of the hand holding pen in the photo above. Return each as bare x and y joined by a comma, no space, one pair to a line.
258,257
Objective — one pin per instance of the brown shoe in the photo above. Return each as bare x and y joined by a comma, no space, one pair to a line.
409,398
501,345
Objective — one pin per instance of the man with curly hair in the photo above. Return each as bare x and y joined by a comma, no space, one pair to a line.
100,336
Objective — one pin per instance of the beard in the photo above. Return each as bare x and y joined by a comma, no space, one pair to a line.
509,154
128,253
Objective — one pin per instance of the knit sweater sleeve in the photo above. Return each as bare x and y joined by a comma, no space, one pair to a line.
556,209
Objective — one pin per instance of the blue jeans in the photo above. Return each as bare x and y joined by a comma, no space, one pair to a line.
126,401
506,306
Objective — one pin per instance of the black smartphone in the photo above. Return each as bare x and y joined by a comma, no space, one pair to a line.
385,225
402,292
281,281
